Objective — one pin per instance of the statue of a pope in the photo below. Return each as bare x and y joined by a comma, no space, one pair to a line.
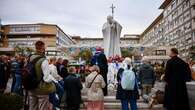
111,34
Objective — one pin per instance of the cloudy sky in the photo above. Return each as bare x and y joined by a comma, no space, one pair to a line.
81,17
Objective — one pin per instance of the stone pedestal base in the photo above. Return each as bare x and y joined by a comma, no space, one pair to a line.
191,93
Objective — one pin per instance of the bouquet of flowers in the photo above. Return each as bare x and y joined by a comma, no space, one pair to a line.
116,58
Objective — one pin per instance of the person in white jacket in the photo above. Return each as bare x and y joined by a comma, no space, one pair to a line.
53,69
55,98
95,83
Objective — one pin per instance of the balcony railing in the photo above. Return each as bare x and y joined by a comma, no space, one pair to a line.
193,2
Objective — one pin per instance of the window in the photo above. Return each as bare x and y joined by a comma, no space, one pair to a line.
25,29
173,5
176,1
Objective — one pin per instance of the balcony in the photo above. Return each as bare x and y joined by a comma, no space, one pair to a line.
193,2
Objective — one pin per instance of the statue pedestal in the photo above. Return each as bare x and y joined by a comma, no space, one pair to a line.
112,78
191,93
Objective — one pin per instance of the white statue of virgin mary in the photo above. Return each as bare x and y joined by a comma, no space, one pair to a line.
111,34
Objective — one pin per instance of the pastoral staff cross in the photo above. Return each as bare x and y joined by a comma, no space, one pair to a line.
112,7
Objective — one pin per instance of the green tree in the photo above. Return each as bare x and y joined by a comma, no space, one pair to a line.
85,54
126,53
22,50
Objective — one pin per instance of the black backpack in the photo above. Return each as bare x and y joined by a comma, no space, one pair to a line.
30,80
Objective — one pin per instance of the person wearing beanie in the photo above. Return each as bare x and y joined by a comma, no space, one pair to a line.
100,60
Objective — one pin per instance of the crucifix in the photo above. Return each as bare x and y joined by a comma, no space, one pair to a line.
112,7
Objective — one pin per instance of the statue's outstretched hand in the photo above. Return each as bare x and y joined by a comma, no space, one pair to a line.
113,25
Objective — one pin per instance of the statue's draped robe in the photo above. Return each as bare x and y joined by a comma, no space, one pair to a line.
112,39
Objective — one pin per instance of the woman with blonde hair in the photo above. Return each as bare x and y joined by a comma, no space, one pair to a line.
95,84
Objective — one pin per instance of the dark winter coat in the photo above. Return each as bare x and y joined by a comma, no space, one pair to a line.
63,71
146,74
2,75
73,88
100,59
58,66
125,94
177,73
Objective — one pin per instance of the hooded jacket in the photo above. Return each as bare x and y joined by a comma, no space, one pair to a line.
146,74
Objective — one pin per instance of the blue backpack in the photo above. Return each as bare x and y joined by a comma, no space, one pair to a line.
128,80
30,79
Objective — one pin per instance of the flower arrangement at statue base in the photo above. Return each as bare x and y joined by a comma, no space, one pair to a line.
116,58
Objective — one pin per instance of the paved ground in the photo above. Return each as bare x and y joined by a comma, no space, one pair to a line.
110,103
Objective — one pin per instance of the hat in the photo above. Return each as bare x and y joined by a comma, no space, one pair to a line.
99,49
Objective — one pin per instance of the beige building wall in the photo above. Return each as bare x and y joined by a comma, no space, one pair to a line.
26,35
98,42
48,29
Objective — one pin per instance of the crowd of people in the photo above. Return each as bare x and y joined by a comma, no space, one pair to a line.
51,84
5,72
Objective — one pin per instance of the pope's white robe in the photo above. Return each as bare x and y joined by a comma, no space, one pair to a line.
111,35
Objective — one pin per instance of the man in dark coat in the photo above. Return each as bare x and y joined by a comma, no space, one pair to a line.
177,73
2,75
100,59
73,88
147,77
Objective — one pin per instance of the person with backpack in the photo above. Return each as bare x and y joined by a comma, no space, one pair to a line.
127,89
37,79
95,84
